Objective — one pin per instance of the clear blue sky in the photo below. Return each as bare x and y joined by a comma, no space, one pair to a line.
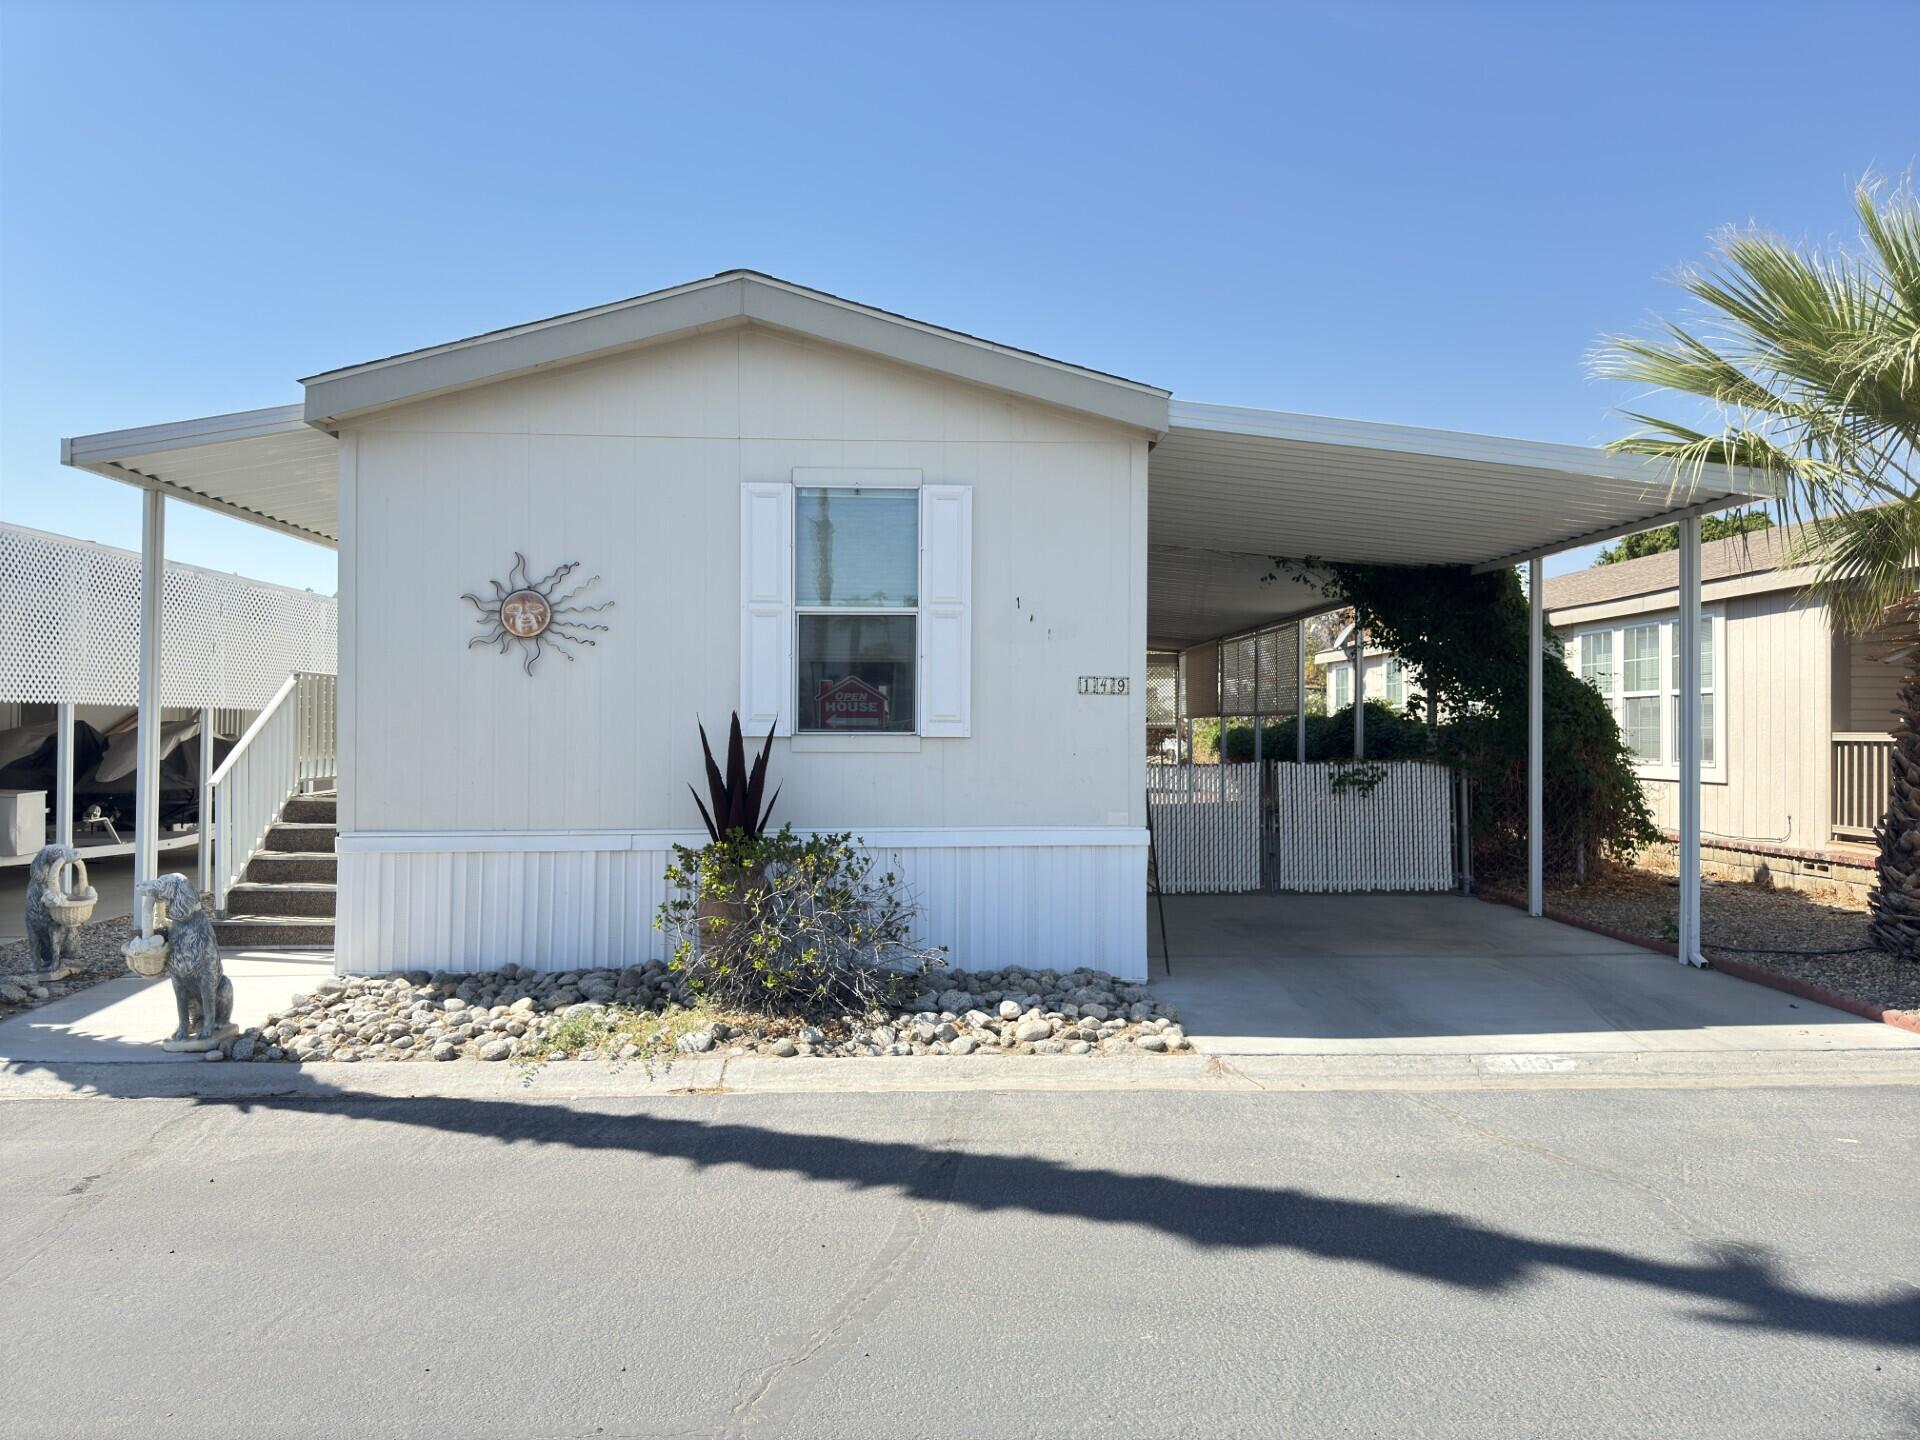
1422,213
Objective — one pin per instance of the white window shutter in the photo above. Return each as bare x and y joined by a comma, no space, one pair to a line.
946,610
766,607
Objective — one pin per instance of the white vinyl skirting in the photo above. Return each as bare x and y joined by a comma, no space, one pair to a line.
1040,898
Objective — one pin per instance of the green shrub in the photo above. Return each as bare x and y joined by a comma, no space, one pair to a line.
785,924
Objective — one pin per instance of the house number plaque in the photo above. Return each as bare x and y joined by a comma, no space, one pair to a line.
1103,684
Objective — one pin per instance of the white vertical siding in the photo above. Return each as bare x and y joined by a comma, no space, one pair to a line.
633,467
1049,900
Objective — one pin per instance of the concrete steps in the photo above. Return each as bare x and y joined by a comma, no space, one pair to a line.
285,897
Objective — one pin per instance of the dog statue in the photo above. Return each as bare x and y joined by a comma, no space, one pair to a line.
202,993
49,943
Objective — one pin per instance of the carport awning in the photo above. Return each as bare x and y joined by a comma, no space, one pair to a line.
1232,488
265,466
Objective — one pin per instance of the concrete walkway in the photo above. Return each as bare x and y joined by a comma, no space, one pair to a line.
124,1020
1444,975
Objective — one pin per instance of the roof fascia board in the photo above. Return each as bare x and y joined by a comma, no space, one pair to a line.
341,394
1614,532
1733,587
981,362
108,446
1452,445
338,395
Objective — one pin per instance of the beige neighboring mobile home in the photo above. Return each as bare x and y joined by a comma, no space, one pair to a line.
1796,715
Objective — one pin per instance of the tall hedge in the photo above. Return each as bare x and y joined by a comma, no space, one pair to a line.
1465,637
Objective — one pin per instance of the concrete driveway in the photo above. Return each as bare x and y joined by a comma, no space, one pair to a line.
1446,975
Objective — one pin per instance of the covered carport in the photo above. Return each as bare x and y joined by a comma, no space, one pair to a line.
1232,491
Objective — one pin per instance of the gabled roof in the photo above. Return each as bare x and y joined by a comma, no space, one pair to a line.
733,297
1758,552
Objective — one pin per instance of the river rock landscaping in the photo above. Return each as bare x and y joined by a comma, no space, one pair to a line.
646,1011
97,958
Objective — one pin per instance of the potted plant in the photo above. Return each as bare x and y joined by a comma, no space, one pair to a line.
732,866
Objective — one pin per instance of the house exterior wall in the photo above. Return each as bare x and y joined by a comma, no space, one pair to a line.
488,815
1778,678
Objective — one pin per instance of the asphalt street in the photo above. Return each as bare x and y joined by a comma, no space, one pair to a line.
1668,1262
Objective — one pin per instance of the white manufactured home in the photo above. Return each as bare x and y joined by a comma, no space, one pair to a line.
932,564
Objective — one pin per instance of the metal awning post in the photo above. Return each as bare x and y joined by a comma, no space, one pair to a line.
1687,637
1359,689
63,774
146,786
1300,694
203,803
1536,729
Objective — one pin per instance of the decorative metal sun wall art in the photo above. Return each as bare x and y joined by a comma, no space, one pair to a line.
527,613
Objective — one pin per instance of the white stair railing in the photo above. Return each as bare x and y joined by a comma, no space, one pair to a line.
290,744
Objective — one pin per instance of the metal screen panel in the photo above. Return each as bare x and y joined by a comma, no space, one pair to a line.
1397,835
70,612
1206,828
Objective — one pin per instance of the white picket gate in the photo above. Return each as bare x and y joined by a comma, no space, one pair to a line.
1386,825
1206,828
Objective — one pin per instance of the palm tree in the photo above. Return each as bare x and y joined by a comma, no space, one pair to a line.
1808,363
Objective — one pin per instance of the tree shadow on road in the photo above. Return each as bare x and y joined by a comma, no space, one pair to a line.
1738,1286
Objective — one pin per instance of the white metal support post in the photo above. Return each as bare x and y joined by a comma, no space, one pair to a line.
203,803
1687,637
1359,690
1300,694
63,774
1536,731
146,791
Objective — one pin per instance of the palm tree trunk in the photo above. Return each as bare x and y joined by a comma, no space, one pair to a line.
1895,901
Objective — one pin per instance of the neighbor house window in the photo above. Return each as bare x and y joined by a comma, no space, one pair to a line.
1340,679
1635,668
1640,692
856,608
1396,682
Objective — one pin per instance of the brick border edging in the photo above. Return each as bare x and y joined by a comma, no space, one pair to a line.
1739,969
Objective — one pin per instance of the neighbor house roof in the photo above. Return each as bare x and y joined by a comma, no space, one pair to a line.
1756,553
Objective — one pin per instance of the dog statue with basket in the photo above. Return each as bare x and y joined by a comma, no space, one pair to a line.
59,902
186,952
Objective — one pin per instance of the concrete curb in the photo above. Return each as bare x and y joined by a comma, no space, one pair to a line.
1739,969
707,1075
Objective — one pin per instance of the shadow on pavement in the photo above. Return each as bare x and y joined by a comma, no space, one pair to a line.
1743,1284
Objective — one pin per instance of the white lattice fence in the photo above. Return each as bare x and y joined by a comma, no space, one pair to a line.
1206,828
70,614
1399,834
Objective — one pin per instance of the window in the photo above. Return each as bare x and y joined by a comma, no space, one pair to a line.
1596,661
1636,668
856,568
1340,683
1396,682
1640,692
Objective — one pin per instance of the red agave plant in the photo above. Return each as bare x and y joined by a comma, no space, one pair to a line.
736,794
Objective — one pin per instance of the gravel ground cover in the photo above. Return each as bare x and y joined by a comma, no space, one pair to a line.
99,958
644,1012
1742,922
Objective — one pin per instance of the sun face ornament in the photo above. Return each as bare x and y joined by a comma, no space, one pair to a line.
527,613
